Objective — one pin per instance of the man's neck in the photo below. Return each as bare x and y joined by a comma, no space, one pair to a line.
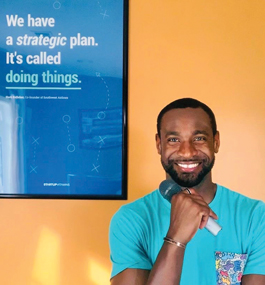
207,190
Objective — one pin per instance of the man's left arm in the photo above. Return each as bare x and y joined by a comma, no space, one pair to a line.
251,279
254,272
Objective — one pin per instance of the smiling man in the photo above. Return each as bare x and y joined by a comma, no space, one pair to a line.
155,242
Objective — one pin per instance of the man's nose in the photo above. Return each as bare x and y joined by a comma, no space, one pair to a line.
187,149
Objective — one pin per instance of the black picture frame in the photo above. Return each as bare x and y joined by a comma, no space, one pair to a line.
63,108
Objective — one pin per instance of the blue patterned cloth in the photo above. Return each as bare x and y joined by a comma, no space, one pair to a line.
229,267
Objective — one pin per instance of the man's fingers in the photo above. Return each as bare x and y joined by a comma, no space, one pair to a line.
204,222
213,215
208,211
205,218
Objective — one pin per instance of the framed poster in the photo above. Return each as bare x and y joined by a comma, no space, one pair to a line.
63,99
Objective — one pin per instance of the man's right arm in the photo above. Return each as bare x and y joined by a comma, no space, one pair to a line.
131,276
188,214
167,269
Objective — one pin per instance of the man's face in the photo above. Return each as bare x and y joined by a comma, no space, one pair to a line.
187,145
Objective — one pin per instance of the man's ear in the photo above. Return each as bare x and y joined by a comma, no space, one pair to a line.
216,142
158,144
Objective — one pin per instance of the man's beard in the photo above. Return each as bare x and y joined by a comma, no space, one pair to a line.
187,179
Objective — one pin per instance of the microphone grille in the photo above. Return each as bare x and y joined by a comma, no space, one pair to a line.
168,188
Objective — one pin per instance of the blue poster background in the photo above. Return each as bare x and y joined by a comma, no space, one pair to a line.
61,97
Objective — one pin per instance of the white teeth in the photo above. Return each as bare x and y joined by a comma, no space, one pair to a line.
188,165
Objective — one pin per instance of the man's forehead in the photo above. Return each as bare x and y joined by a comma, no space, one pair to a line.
186,116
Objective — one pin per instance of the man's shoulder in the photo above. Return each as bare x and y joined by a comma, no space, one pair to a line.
145,202
231,197
142,208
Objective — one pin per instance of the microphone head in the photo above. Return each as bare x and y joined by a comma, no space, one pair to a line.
168,188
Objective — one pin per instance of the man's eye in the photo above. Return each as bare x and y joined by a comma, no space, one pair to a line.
198,139
173,140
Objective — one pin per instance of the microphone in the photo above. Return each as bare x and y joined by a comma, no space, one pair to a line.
168,188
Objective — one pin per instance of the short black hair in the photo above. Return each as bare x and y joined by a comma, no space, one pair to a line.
187,103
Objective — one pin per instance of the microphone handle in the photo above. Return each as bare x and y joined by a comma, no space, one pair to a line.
212,226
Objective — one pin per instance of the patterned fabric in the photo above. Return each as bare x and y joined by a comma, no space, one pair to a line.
229,267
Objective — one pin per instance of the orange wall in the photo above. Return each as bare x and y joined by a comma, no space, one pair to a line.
210,50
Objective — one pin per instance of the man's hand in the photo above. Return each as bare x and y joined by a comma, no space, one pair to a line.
188,214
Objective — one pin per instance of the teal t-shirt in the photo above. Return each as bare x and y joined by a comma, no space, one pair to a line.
138,228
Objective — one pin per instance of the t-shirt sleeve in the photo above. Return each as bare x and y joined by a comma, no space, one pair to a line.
126,238
256,258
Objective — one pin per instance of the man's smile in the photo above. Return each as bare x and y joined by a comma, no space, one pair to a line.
188,166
